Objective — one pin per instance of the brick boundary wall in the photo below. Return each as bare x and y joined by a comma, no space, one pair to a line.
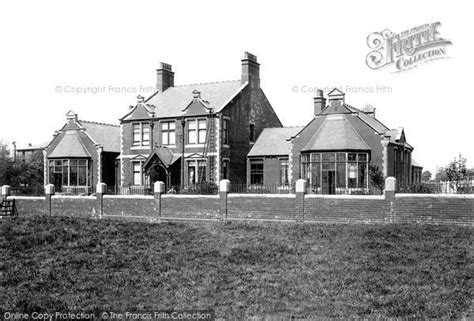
443,209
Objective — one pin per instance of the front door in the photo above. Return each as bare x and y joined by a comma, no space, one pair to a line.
329,182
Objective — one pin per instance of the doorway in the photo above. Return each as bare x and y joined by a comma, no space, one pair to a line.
329,182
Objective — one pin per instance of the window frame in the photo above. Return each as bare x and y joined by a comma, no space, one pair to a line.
139,130
168,131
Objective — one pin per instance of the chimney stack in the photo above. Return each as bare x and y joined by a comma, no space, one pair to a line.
250,70
165,77
319,102
369,110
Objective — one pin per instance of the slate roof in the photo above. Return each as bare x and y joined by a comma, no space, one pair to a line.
172,101
104,134
336,133
70,145
273,141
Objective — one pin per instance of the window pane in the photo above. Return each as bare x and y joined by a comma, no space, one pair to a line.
362,157
164,138
73,176
192,137
328,157
352,174
316,174
362,174
191,172
192,124
202,124
172,140
164,126
146,134
82,176
172,125
351,156
201,171
136,134
341,157
341,175
315,157
329,166
202,136
82,162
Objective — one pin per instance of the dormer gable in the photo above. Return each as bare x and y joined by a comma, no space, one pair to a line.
197,106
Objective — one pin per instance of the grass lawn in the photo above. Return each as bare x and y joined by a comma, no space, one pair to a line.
240,270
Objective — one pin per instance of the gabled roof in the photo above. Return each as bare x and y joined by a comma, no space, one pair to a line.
172,101
273,141
70,145
164,154
107,135
336,133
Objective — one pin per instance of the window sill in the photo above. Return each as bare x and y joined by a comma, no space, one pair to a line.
139,147
194,145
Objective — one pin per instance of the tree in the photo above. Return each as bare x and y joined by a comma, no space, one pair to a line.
426,176
441,175
24,175
458,175
376,177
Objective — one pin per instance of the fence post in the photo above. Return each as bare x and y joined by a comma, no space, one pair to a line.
158,189
224,190
48,193
101,189
300,190
5,192
389,193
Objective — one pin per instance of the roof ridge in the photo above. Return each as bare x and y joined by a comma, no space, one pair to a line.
207,83
98,123
350,106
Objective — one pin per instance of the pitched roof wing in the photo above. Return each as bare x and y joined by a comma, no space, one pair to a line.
104,134
273,141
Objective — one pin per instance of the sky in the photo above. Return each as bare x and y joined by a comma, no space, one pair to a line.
96,57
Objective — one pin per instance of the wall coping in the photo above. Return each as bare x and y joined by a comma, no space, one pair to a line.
469,196
189,196
90,197
129,196
370,197
27,197
262,195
